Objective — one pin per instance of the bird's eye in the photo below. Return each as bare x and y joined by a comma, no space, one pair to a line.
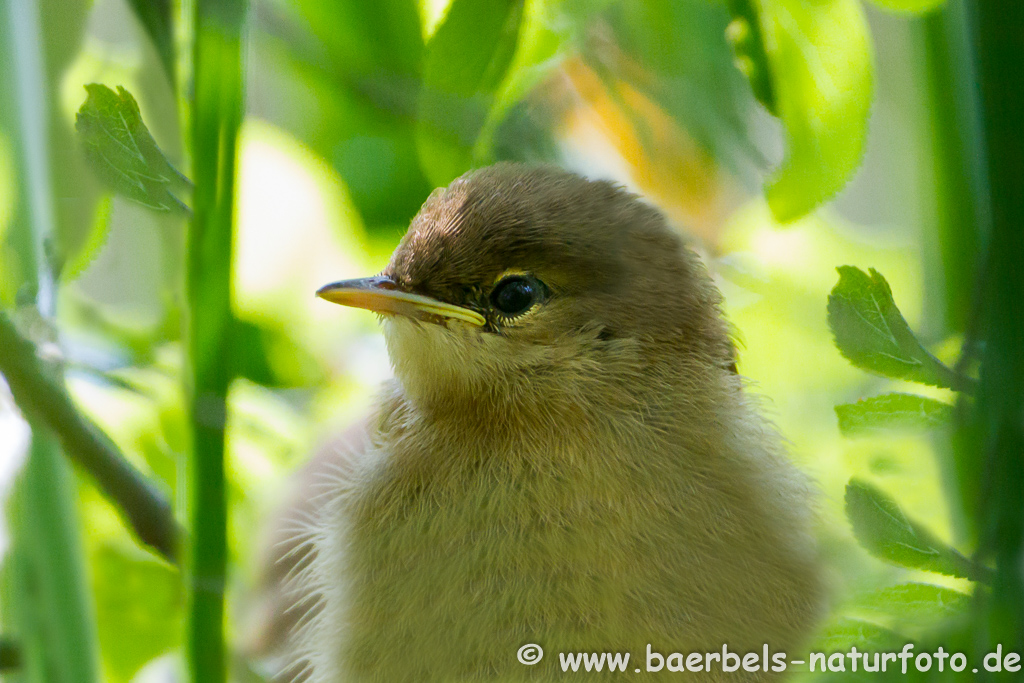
516,294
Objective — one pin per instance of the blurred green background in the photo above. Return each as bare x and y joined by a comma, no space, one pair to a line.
354,112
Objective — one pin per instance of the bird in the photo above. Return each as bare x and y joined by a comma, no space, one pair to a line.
565,459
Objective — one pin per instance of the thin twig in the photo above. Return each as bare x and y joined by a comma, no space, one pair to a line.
144,509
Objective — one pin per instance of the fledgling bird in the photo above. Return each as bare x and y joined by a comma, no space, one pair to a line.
566,455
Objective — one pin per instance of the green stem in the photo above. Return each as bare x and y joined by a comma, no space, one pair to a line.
951,124
216,118
45,602
954,272
46,402
45,574
999,52
27,76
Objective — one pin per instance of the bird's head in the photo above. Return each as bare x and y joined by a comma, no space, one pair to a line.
517,276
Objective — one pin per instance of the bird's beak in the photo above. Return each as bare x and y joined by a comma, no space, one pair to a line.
382,295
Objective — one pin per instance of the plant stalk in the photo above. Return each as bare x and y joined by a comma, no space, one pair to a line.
45,401
45,600
216,119
999,417
952,126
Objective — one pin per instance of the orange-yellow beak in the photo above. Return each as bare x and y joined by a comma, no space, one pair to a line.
382,295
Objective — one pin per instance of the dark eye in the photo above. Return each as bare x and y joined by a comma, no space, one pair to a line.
516,294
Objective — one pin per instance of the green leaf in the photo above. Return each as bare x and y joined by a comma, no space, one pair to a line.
918,603
819,55
909,6
359,90
123,153
891,412
515,130
95,239
748,52
881,526
674,53
155,17
139,605
839,635
365,42
466,62
873,335
267,355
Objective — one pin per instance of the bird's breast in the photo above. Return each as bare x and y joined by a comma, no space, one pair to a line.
580,535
